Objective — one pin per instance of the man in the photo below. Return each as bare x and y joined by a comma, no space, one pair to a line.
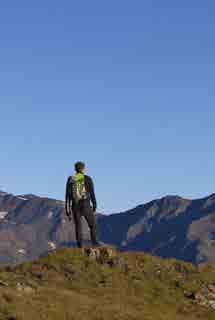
79,196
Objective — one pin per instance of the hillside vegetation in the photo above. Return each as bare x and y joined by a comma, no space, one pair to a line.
67,285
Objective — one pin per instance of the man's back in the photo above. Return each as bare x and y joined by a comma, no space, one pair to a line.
79,193
89,185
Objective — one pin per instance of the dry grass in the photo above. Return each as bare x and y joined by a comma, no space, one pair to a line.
66,285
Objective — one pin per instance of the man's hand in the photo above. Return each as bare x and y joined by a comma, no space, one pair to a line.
68,213
69,217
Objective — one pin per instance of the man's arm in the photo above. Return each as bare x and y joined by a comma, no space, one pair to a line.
92,194
67,198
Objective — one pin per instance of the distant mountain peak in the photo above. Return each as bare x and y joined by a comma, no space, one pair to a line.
3,193
29,196
212,196
174,198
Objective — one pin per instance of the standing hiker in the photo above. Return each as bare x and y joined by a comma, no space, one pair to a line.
79,196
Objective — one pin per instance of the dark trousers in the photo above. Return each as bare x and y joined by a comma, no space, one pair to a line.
84,209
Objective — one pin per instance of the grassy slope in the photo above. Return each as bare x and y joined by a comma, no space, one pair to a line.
66,286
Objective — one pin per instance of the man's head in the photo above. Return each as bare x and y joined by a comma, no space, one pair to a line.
79,167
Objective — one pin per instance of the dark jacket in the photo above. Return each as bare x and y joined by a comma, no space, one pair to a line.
69,201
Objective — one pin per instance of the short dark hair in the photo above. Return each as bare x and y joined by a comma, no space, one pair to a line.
79,166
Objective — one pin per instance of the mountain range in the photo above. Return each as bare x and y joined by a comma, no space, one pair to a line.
170,227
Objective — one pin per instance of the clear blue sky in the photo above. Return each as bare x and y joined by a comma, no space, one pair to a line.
126,86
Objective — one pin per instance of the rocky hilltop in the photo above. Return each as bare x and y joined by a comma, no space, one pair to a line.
104,284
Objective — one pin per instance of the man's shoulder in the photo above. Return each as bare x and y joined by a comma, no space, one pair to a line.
88,178
69,179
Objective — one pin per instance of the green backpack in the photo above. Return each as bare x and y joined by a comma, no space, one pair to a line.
78,187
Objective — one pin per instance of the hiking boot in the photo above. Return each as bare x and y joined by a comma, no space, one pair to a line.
79,245
98,244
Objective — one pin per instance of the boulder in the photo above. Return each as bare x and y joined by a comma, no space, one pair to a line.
101,254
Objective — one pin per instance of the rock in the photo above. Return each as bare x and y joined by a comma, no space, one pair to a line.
100,254
211,288
4,284
91,253
190,295
204,297
25,289
212,304
106,255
